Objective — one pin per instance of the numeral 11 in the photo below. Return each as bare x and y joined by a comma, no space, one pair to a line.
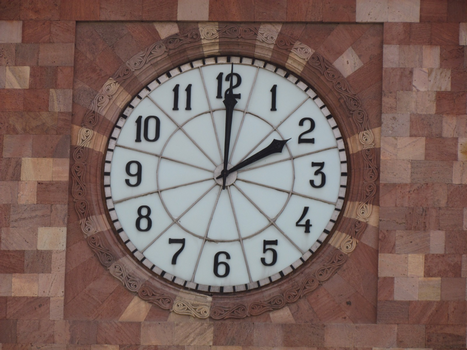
188,97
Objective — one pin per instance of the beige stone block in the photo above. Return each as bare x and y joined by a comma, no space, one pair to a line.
155,333
25,285
429,288
5,285
464,266
437,240
60,100
348,62
395,171
464,226
36,169
11,31
24,238
393,265
267,35
27,192
189,10
431,56
193,333
17,77
406,101
425,102
282,316
450,128
389,148
57,306
406,288
410,56
463,34
372,11
2,77
51,285
412,148
51,238
136,311
431,79
459,173
403,10
58,261
209,38
390,56
462,149
88,138
416,265
61,169
298,57
104,347
395,124
166,29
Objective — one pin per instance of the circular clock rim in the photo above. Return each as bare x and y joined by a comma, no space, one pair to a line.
161,79
94,125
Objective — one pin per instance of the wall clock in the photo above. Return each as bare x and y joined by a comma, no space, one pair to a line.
225,174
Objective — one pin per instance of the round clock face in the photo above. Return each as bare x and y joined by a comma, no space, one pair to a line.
225,174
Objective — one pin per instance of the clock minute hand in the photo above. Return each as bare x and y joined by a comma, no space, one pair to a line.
275,146
229,102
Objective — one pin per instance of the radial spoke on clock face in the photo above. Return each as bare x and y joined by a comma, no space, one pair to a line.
182,130
239,234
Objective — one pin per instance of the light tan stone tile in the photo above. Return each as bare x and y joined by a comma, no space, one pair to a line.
36,169
166,29
190,10
431,79
425,102
155,333
282,316
395,171
136,311
5,285
209,40
60,100
431,56
410,56
437,241
463,34
450,128
27,192
416,265
2,77
393,265
391,56
24,238
24,285
372,11
406,288
11,31
464,226
61,169
58,261
193,333
51,285
429,288
51,238
389,148
459,173
17,77
57,308
267,35
403,10
412,148
348,62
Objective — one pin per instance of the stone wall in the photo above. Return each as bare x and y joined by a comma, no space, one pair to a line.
404,286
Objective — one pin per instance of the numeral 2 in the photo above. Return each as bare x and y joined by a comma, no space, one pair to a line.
302,139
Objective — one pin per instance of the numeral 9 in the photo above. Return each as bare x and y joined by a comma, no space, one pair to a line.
138,173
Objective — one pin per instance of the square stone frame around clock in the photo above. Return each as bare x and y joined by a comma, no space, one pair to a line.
114,61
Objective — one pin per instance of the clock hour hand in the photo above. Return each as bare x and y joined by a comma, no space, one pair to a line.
230,101
275,146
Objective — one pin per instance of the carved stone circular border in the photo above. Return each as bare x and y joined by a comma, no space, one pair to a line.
209,39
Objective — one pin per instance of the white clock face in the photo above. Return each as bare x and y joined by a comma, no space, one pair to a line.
225,174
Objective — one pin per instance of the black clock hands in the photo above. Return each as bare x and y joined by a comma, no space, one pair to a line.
275,146
230,101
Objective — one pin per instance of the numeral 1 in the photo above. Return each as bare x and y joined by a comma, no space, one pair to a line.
273,97
188,97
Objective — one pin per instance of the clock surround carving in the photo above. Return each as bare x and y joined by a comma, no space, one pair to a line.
139,281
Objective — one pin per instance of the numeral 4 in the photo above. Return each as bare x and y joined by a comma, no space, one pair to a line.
307,225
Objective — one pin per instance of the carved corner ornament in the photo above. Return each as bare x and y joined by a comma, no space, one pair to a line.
168,296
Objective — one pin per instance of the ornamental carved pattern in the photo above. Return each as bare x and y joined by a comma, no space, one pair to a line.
247,304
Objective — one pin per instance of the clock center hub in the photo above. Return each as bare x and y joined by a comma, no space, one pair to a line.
230,178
